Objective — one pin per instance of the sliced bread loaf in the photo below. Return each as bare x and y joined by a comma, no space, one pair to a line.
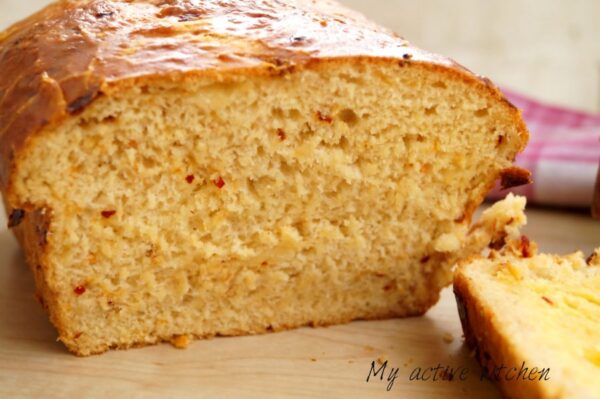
192,168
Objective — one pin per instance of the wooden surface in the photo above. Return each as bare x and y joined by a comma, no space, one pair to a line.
328,362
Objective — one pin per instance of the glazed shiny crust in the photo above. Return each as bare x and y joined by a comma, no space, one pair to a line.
56,62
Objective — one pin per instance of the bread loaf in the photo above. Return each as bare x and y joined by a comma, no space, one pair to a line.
187,168
534,320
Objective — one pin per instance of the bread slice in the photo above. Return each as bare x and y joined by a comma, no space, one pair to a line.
183,168
534,320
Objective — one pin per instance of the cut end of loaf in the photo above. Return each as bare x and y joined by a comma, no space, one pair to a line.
522,309
249,204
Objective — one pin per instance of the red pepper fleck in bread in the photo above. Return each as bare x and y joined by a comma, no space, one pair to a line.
192,168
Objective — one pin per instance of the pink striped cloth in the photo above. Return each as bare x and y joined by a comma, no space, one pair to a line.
563,153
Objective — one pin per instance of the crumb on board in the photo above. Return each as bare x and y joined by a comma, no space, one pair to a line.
312,359
180,341
381,359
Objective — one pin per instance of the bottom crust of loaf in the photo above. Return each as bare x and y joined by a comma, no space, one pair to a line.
184,340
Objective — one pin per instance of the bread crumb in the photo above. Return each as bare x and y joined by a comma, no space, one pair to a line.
180,341
447,243
312,359
448,338
514,270
381,359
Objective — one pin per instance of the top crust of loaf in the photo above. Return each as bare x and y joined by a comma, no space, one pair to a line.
56,62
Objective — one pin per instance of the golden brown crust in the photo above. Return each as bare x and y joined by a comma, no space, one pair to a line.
257,331
482,336
32,233
59,60
514,177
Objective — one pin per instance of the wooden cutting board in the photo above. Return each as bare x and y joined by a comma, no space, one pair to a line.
331,362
